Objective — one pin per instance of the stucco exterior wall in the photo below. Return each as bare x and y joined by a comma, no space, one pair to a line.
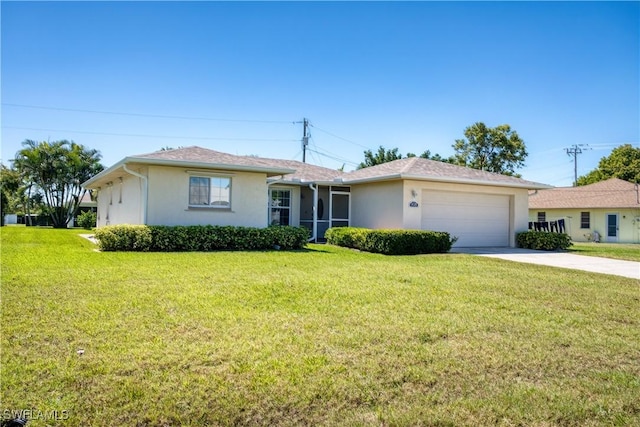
168,196
388,204
377,205
120,201
518,204
628,223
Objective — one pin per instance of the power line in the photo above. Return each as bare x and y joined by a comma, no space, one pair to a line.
158,116
574,150
339,137
203,138
313,141
333,156
611,145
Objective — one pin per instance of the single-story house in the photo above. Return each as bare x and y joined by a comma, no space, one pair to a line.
194,185
611,208
87,204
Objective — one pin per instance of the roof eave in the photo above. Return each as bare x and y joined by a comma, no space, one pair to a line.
379,178
269,171
453,180
89,184
305,182
585,207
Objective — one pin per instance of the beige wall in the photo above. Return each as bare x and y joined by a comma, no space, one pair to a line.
120,201
518,205
377,205
628,223
386,204
169,199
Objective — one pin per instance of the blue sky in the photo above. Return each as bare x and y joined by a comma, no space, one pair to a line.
240,76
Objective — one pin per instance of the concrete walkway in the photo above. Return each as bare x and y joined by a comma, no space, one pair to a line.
615,267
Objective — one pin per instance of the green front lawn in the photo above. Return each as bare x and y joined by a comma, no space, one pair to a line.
325,336
628,251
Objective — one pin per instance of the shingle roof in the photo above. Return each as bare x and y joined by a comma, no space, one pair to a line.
306,172
295,171
612,193
303,171
419,168
194,157
206,156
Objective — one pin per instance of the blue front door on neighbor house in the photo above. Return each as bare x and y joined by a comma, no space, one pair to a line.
612,227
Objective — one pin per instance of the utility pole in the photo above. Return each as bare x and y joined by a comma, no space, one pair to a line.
305,139
574,150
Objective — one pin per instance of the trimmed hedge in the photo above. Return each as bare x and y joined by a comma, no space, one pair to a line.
348,237
202,238
124,238
391,242
543,240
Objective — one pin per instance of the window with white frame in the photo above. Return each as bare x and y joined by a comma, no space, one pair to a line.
280,207
210,191
585,220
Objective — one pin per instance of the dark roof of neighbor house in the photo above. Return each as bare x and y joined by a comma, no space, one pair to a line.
86,200
297,172
612,193
432,170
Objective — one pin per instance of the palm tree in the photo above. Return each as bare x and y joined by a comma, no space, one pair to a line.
27,163
57,170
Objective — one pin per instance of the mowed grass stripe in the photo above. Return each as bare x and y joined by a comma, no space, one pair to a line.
625,251
325,336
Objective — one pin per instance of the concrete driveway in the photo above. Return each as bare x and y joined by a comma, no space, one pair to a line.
615,267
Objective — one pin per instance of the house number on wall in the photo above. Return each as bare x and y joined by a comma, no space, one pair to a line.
413,204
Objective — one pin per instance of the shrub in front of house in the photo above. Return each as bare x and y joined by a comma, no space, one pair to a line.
287,237
347,237
543,240
87,220
202,238
124,238
391,242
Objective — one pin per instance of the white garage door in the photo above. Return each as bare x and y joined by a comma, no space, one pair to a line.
476,219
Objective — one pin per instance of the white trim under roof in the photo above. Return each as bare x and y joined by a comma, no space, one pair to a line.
270,171
525,184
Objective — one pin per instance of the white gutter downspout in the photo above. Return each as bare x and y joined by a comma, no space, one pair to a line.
314,231
269,184
145,192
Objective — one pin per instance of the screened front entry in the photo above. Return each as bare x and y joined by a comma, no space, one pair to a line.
332,206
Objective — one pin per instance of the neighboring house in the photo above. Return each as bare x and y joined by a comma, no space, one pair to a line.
194,185
87,204
611,208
